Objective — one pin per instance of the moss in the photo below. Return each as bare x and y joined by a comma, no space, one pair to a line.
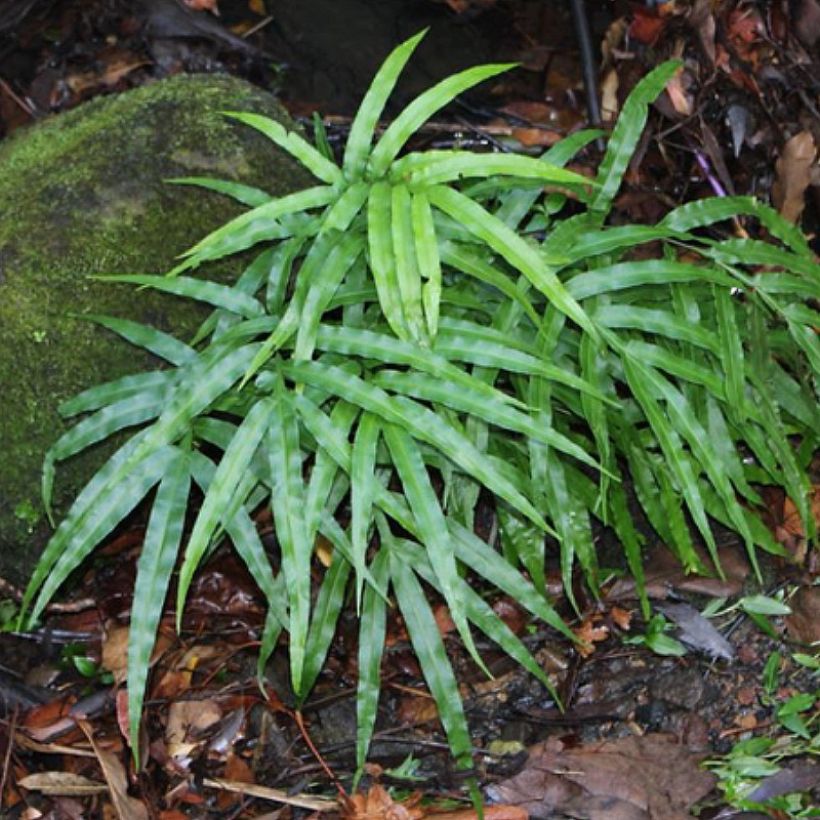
83,194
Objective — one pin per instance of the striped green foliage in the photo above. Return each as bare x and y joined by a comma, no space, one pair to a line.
403,344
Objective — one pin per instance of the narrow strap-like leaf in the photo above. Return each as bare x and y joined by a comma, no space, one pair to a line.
161,344
627,132
506,242
408,274
255,225
421,109
465,165
297,146
429,649
382,258
372,631
431,525
329,605
288,503
152,382
201,290
230,472
81,532
160,548
246,194
364,124
427,254
362,493
640,380
338,262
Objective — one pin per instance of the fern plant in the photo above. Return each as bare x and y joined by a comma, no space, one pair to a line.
435,320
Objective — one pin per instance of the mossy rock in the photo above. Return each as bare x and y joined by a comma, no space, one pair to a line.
84,193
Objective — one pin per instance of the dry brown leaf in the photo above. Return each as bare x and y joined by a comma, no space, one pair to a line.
530,137
793,170
126,807
186,716
804,623
377,804
651,777
203,5
62,783
588,633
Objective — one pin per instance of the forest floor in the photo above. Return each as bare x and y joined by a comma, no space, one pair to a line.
733,660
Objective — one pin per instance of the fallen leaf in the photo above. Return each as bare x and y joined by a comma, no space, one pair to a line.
127,807
804,623
377,804
203,5
186,717
646,777
589,634
793,170
62,783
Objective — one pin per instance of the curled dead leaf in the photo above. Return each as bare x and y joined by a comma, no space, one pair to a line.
793,170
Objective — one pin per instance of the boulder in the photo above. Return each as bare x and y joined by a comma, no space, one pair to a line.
84,193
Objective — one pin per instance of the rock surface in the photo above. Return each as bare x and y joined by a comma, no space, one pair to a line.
81,194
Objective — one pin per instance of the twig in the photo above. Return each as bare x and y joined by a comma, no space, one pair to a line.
302,801
7,757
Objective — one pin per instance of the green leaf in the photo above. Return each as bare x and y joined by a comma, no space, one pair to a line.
382,258
637,274
364,124
211,293
435,665
160,548
362,493
329,605
627,132
642,383
372,631
221,500
763,605
87,524
125,413
428,169
288,503
246,194
421,109
338,262
490,410
431,525
427,255
151,382
423,424
254,226
506,242
408,274
318,164
154,341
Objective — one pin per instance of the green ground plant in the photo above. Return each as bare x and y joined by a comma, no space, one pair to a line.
417,331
